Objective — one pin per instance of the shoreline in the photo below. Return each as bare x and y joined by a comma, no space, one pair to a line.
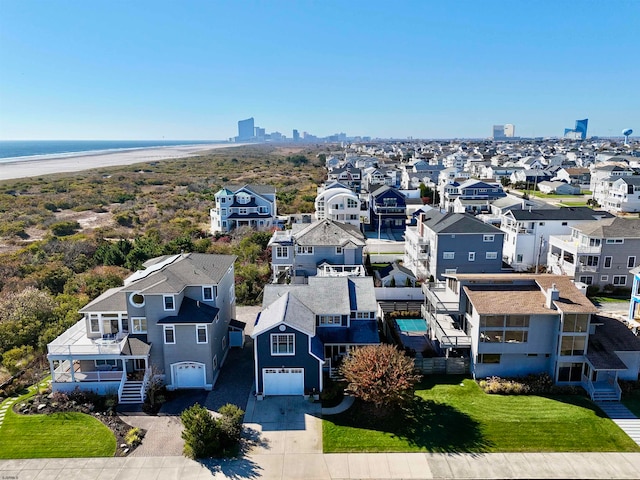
70,163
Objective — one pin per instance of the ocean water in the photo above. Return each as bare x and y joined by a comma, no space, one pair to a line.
11,150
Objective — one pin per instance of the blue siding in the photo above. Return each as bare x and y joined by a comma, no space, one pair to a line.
301,359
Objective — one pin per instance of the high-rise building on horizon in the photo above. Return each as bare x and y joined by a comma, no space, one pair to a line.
296,135
579,132
498,131
246,129
509,130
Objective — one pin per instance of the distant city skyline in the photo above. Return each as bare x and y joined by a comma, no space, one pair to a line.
414,69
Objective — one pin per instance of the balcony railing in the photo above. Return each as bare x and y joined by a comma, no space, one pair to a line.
341,271
570,244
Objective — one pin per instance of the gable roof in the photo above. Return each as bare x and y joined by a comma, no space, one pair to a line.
253,188
457,223
170,274
615,227
329,232
113,300
288,309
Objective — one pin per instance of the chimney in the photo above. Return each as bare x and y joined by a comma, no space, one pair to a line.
552,294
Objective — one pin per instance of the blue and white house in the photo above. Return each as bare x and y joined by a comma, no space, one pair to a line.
304,331
175,314
252,206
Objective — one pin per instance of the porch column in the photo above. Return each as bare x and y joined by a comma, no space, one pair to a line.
73,377
53,373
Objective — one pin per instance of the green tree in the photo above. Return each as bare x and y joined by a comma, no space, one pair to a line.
201,434
380,374
22,317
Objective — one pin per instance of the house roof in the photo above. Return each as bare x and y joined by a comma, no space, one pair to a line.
615,227
237,324
457,223
633,180
183,270
113,300
610,336
328,295
288,309
562,213
329,232
253,187
359,332
136,347
192,311
507,297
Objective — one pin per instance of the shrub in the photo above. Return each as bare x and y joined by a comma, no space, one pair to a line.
62,229
201,433
16,358
530,385
133,437
230,425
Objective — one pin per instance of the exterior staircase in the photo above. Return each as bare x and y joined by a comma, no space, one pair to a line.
131,392
605,395
622,417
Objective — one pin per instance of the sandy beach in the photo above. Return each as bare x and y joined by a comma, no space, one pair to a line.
84,161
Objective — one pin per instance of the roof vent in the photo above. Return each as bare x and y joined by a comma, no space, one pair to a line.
551,295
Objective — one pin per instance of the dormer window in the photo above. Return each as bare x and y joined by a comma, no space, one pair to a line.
137,300
169,302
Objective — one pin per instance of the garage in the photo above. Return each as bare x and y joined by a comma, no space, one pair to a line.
283,381
188,375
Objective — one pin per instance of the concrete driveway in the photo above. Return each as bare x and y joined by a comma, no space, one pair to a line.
283,425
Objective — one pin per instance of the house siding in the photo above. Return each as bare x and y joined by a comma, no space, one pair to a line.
301,359
461,245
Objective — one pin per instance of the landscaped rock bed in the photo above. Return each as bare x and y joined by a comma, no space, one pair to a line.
101,408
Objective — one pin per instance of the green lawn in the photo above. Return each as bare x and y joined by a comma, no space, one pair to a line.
574,204
52,436
447,417
599,299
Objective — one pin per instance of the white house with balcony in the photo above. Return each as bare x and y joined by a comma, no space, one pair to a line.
339,203
527,232
623,195
597,253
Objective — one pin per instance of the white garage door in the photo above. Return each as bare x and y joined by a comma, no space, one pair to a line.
188,375
283,381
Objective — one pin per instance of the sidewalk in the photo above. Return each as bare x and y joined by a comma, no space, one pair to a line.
336,466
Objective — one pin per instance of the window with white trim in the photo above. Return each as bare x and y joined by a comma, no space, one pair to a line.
224,342
494,255
607,262
338,250
202,335
488,238
139,325
208,293
472,256
94,323
489,358
619,279
604,278
137,300
282,252
101,362
363,315
283,344
169,334
586,279
615,241
448,255
631,262
214,363
304,250
329,320
169,302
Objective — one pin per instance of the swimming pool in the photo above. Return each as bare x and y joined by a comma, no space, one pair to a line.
411,324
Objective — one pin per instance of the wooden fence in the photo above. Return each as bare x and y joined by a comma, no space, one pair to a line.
442,366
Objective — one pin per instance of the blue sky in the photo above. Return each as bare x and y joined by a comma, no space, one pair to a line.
427,69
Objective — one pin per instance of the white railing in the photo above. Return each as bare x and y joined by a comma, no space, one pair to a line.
86,376
341,271
123,379
588,385
99,346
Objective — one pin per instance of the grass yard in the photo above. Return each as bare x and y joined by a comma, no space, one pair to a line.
447,417
599,299
57,435
574,204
